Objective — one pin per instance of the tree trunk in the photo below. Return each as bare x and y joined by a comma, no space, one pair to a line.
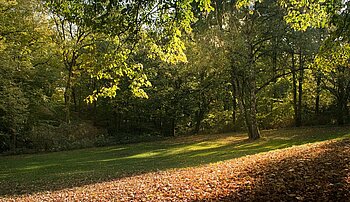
247,102
295,102
341,98
94,106
67,95
74,96
218,12
173,127
341,109
251,121
252,124
198,124
254,129
254,132
13,139
234,110
235,96
246,92
300,90
318,91
70,64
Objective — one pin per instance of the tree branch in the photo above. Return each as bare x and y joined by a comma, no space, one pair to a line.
275,78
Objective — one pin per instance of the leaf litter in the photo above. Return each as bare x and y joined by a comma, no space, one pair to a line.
311,172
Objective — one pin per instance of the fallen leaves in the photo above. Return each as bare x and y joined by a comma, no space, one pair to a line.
313,172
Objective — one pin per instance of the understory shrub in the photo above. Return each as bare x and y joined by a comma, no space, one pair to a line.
47,137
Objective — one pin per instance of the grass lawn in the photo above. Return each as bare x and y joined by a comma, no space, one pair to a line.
42,172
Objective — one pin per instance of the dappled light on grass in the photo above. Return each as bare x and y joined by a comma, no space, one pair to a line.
110,149
36,167
32,173
312,172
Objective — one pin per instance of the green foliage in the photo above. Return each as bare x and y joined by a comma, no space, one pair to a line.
302,15
336,55
47,137
13,115
150,69
25,54
138,22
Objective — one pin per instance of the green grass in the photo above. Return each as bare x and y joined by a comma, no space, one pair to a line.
40,172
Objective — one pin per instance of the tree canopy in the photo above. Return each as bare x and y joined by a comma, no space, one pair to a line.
135,70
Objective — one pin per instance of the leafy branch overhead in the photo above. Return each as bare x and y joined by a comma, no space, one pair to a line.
305,14
122,30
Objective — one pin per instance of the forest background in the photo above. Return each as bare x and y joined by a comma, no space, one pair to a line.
85,73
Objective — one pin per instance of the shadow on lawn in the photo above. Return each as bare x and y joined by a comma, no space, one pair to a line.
322,178
53,171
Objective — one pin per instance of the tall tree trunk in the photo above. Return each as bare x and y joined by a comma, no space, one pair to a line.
300,90
234,104
318,91
247,102
254,131
67,95
249,110
218,12
341,97
340,111
246,92
234,110
94,109
203,108
295,101
198,122
74,96
173,132
70,64
13,133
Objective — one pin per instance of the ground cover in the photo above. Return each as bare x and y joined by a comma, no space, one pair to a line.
106,171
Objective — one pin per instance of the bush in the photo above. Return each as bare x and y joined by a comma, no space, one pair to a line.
47,137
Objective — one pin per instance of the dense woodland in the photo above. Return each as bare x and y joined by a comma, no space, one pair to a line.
80,73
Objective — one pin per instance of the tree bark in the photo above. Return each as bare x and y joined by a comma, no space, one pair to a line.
300,90
74,96
13,133
341,98
198,122
246,91
341,109
173,132
234,102
70,64
234,108
254,129
254,132
318,91
295,101
67,95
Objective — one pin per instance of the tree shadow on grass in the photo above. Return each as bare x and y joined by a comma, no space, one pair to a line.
325,177
54,171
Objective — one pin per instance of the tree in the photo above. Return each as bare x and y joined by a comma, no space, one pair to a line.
24,50
333,66
253,42
121,25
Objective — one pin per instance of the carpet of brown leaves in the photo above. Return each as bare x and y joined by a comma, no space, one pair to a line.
313,172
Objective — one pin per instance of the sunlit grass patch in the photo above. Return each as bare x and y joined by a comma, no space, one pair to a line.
40,172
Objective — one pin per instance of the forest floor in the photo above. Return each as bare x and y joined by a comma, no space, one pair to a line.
223,167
